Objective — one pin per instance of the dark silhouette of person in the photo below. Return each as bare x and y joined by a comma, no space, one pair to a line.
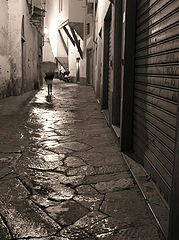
49,80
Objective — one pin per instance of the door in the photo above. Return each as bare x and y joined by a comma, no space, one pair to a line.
23,59
89,67
107,60
78,70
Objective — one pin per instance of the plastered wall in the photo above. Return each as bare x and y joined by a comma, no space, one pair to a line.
4,63
19,62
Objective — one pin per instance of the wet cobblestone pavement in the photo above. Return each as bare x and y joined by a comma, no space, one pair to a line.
62,176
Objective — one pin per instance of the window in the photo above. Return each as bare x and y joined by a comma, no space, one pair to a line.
88,28
90,8
60,5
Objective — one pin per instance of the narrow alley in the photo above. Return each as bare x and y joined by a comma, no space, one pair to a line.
99,158
62,175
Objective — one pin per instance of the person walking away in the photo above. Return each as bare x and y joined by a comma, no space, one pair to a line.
49,80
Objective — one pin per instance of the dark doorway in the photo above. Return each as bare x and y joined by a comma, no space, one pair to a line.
89,67
78,70
23,55
106,60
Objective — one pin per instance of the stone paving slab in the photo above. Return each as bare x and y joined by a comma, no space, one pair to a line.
74,162
100,159
148,232
121,204
66,213
117,168
110,186
86,189
83,170
97,179
105,227
75,233
22,216
90,219
90,202
4,232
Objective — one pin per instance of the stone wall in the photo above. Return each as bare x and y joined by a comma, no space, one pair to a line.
4,62
19,51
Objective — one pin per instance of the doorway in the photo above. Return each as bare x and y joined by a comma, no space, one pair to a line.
89,66
106,60
77,70
23,55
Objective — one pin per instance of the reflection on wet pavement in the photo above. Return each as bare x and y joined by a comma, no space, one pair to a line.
66,172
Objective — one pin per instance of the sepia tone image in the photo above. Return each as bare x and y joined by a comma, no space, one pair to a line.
89,119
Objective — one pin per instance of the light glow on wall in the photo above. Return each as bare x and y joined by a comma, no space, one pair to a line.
46,31
53,32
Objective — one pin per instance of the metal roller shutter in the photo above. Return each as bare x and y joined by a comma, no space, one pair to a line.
110,62
156,88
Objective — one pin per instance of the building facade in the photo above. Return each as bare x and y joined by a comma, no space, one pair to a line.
21,24
136,81
65,41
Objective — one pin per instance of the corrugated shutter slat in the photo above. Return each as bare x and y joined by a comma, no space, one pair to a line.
110,69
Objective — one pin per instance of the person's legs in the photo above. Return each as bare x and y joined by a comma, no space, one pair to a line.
51,88
48,89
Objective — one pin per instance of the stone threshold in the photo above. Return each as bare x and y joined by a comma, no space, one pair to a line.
153,198
117,131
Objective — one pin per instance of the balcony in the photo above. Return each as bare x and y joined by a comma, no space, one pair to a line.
37,14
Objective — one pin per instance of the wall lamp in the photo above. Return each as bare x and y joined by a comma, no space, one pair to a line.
46,31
